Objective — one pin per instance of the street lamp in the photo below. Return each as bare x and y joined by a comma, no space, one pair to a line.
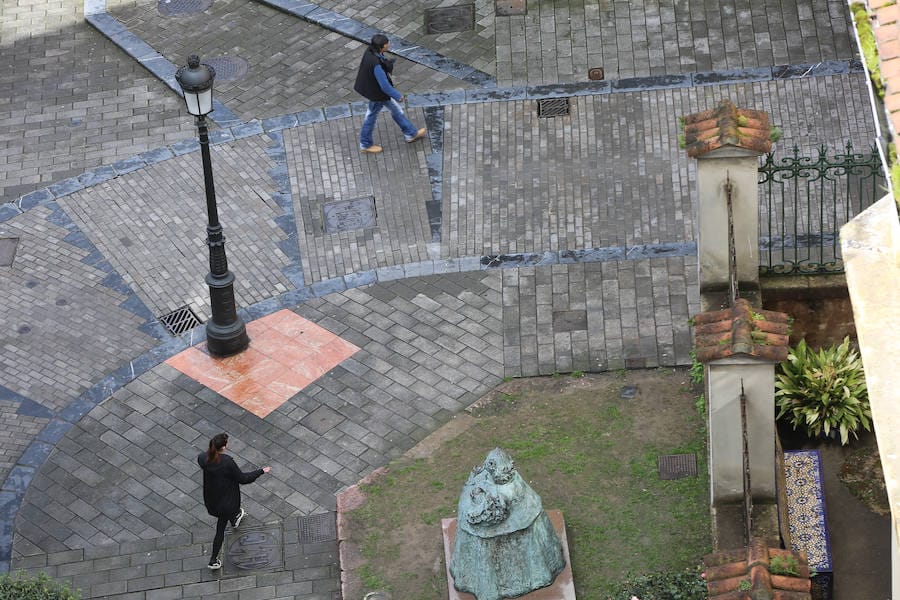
226,333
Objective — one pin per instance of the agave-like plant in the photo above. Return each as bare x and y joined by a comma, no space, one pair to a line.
824,391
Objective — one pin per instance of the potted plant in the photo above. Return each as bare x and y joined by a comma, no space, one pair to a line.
824,392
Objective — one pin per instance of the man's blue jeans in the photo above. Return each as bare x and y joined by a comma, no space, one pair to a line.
368,126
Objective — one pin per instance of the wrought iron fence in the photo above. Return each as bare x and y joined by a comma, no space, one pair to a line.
804,201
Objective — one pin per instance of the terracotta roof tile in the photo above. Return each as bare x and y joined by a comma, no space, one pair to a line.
726,125
741,330
728,571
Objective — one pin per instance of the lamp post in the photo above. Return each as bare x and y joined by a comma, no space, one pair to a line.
226,333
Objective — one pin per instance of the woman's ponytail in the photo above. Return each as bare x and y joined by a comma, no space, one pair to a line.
215,446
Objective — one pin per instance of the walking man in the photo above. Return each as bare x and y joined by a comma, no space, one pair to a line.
373,81
221,490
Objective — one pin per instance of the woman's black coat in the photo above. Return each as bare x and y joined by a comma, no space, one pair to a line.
221,481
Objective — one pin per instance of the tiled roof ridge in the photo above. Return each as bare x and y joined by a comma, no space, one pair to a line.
726,125
741,329
727,572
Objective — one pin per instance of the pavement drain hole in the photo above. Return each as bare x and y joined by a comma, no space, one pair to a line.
677,466
228,68
553,107
596,74
317,528
180,8
180,320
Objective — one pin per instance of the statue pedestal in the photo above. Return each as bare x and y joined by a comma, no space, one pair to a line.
562,588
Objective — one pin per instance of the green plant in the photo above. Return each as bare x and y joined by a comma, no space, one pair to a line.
700,404
744,585
577,374
370,579
671,585
824,391
696,369
34,587
775,134
783,565
867,42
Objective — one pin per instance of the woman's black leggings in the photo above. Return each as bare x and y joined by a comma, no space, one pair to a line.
220,537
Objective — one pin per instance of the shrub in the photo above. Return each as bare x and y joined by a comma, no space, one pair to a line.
672,585
824,391
37,587
867,42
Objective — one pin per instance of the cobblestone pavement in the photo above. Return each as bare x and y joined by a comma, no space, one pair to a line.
289,64
503,245
70,100
560,41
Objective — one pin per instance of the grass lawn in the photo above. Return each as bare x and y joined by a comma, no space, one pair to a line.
585,450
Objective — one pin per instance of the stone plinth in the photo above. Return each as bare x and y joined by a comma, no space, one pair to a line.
562,588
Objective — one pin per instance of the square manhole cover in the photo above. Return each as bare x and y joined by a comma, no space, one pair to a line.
318,528
450,19
349,215
255,549
8,251
510,8
570,320
677,466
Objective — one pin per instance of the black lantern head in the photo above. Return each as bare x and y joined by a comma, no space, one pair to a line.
196,81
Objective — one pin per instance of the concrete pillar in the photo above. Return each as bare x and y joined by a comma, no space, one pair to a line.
726,446
714,170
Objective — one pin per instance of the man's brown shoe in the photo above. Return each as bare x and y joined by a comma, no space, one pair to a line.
371,149
419,135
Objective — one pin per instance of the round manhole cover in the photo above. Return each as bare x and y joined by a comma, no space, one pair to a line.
180,8
228,68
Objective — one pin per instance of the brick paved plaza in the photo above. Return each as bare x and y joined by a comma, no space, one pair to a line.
502,245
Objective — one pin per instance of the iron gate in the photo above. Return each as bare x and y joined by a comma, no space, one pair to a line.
804,201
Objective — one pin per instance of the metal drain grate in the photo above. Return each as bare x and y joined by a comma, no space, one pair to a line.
228,68
677,466
180,320
180,8
8,251
318,528
553,107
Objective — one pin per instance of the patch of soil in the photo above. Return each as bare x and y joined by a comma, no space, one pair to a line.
582,447
864,477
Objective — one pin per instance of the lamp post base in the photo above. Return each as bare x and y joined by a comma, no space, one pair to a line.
225,341
226,333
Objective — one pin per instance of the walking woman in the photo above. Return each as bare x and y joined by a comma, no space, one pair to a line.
221,490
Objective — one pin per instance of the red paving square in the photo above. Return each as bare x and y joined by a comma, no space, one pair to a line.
286,354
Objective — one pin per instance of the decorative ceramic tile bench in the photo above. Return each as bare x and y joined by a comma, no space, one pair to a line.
807,516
